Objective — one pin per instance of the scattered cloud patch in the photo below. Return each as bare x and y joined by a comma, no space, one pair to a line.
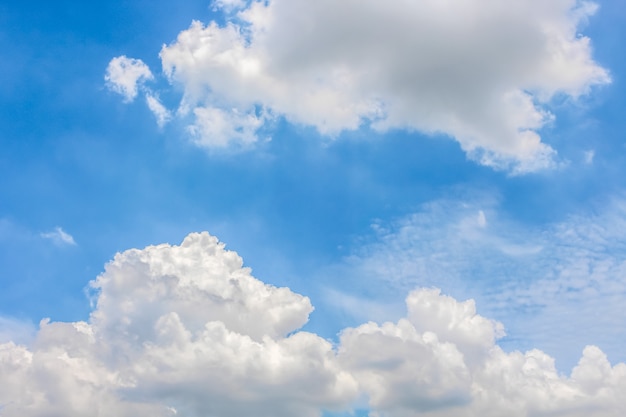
535,279
60,237
186,330
124,76
228,5
217,128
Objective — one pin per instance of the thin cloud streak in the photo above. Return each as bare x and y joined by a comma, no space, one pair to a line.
60,237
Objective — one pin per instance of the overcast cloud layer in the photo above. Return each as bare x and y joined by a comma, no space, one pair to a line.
186,330
482,73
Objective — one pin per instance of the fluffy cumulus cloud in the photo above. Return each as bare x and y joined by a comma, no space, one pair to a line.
124,76
442,360
187,330
481,72
177,330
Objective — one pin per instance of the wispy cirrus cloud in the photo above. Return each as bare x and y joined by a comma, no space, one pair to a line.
545,282
59,236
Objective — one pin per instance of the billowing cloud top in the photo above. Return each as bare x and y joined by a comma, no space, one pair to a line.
186,330
482,73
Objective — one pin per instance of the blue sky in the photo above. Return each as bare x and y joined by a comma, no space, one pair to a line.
352,156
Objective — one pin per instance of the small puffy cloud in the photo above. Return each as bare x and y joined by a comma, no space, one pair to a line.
124,75
482,73
59,236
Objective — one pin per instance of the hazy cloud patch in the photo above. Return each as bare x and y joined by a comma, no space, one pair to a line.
60,237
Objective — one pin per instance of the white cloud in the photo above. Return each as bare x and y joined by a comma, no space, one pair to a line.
59,237
62,376
427,364
483,73
183,328
186,330
124,75
201,282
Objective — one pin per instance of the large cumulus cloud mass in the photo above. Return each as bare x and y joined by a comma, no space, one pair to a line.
186,330
481,72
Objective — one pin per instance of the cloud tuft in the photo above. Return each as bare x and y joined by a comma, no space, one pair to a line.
60,237
124,75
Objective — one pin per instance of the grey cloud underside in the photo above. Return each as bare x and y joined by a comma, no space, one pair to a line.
186,330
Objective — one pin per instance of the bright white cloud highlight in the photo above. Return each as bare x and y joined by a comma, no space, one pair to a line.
124,76
60,237
483,73
188,331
